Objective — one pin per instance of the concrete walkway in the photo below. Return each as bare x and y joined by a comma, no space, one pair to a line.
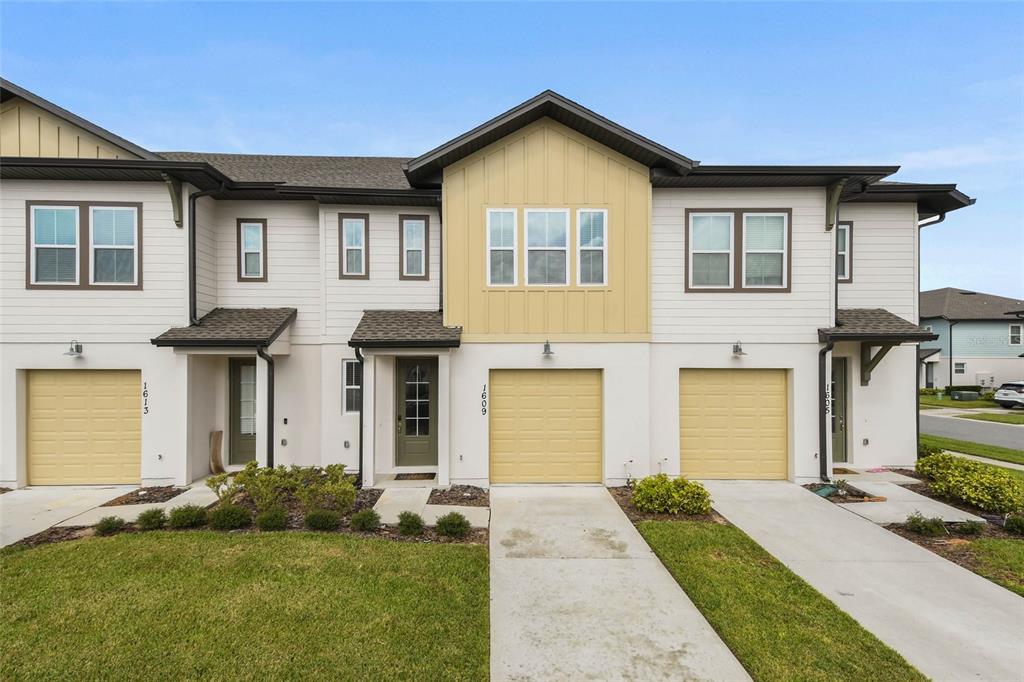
900,503
394,501
32,510
946,621
577,594
972,430
987,460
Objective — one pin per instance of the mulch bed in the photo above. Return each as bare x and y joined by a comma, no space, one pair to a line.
461,495
55,534
955,547
851,495
624,497
146,496
414,477
907,472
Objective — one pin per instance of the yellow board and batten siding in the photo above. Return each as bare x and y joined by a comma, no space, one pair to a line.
547,165
28,131
545,426
733,423
84,427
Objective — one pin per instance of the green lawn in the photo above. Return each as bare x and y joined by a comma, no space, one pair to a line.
1002,418
936,401
1001,561
191,605
778,626
979,449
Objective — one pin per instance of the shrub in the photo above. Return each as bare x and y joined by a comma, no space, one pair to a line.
323,519
266,485
229,517
274,518
917,523
453,524
926,450
152,519
223,486
109,525
970,527
663,495
986,487
1014,524
187,516
338,494
964,387
410,523
365,520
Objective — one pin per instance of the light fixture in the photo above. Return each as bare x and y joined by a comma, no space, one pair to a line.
737,349
547,350
74,350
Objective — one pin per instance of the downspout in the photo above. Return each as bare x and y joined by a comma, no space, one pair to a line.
359,470
440,259
262,352
822,422
193,313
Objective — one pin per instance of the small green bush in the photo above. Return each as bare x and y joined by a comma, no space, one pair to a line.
928,391
109,525
265,486
152,519
187,516
229,517
925,450
274,518
1014,524
663,495
223,486
365,520
970,527
323,519
986,487
917,523
453,524
410,523
336,494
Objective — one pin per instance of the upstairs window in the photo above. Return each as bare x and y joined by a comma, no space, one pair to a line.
711,250
54,254
764,250
352,378
412,244
501,247
353,257
1015,334
547,247
113,243
844,252
252,250
592,260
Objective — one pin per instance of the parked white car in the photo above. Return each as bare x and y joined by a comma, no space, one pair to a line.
1011,394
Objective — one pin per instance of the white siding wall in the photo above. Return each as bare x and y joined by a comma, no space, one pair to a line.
884,258
346,299
793,316
92,315
206,254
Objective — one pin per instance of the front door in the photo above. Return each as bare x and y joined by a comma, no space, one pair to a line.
242,417
839,409
416,411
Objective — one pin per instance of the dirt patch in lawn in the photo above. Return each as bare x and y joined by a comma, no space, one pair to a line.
161,493
959,548
624,497
461,495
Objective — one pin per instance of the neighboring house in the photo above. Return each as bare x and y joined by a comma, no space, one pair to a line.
549,297
981,339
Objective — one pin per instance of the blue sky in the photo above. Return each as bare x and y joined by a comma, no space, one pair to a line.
936,88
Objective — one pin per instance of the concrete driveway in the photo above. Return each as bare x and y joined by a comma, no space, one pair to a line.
577,594
973,430
946,621
28,511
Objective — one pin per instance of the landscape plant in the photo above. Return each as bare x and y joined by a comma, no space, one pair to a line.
365,520
660,494
323,519
918,523
988,488
187,516
151,519
229,517
224,486
109,525
410,523
272,519
454,525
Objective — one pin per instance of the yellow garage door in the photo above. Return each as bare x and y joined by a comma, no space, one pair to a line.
84,426
733,423
545,426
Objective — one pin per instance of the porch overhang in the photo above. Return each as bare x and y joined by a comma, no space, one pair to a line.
873,328
404,329
231,328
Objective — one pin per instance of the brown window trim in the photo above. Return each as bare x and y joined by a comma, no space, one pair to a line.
365,217
737,253
84,250
238,249
426,247
849,252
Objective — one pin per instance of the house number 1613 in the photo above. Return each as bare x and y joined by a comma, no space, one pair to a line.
145,398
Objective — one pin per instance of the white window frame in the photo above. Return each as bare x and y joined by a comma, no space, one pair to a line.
784,251
345,248
77,247
847,261
405,248
731,252
134,247
527,248
580,249
514,248
1020,334
242,250
345,387
960,368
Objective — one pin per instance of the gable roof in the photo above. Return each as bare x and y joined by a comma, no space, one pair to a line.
404,329
963,304
425,170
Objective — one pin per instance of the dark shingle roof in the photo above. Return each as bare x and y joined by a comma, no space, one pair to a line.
855,324
961,304
412,328
231,327
350,172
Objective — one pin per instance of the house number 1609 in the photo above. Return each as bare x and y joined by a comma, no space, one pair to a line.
483,400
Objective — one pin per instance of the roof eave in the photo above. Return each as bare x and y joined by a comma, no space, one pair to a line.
354,343
825,335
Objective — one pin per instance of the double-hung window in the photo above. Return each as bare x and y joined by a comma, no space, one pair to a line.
547,246
252,250
844,251
959,368
592,236
413,240
501,247
114,241
54,255
711,250
764,250
354,253
352,380
1015,334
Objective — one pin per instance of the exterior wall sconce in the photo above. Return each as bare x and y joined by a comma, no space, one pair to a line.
74,350
547,350
737,349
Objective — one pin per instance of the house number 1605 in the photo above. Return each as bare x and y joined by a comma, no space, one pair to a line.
483,400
